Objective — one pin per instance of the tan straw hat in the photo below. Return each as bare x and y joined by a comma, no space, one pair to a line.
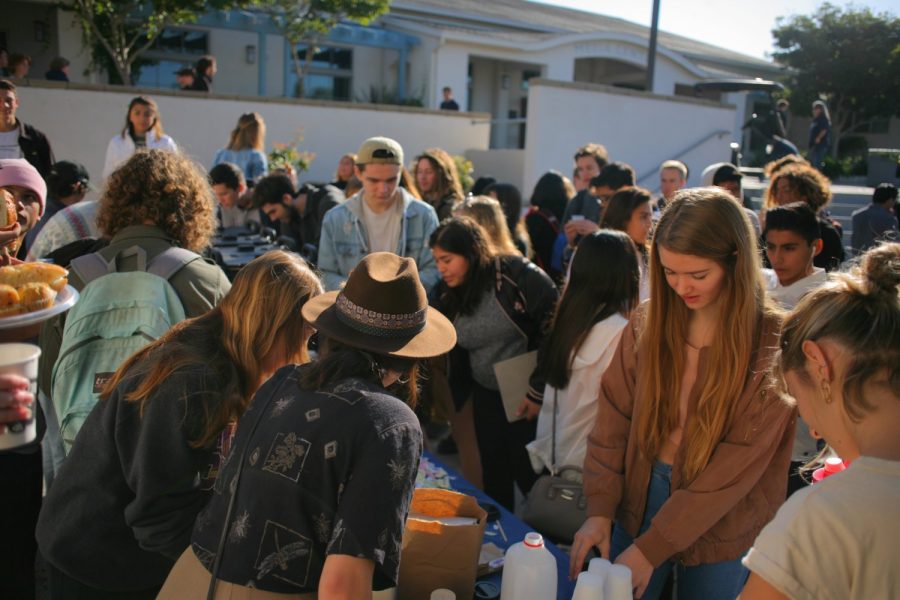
383,308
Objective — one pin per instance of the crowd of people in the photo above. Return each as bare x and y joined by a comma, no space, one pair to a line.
676,337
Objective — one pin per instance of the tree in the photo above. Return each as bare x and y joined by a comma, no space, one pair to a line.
850,58
305,21
127,28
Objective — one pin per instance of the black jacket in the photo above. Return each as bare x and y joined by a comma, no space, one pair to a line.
319,200
122,507
35,148
528,296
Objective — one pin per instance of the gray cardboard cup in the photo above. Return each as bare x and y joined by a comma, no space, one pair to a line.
20,359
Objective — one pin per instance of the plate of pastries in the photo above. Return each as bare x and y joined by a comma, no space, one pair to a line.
32,292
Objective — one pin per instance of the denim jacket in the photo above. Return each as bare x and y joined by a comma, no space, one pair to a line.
344,241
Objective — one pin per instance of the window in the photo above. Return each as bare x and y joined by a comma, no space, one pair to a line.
181,41
329,75
682,89
174,49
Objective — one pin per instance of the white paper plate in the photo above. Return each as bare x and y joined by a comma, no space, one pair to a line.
65,299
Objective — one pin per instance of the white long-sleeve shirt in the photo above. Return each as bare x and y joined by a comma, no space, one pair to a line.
576,404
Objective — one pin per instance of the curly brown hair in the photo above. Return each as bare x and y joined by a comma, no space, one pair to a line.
773,167
806,184
164,189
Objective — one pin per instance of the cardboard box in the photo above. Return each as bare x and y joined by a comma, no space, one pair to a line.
437,555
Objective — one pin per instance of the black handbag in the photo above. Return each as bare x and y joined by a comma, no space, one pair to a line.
556,506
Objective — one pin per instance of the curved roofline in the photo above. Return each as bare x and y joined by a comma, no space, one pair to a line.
450,34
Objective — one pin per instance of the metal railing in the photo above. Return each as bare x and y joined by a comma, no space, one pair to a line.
697,144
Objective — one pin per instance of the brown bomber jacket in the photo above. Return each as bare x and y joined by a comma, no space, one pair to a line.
720,513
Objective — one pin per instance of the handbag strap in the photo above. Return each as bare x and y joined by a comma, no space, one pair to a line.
553,434
217,561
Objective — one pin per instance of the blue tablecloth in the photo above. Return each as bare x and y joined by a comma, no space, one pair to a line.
514,528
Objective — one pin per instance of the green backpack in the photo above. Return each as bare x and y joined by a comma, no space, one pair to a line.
117,314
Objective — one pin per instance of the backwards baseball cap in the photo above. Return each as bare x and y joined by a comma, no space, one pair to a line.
19,172
64,175
379,151
719,172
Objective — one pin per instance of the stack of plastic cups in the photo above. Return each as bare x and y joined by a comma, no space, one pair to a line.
832,465
603,581
618,583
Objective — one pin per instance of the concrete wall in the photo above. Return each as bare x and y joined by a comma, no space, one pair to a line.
638,128
79,120
234,75
503,165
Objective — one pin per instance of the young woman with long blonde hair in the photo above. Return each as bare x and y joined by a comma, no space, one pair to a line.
689,452
246,147
488,213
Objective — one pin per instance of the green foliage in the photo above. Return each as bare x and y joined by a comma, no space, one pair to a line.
124,29
464,169
849,166
853,146
848,57
306,20
287,156
383,95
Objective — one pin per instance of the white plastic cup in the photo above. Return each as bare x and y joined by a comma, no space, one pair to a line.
443,594
20,359
589,587
618,583
599,566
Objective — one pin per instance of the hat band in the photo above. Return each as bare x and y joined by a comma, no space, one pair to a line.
370,322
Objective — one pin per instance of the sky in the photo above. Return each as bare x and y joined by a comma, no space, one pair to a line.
744,26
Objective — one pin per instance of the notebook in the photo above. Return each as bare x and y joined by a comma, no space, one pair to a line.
512,379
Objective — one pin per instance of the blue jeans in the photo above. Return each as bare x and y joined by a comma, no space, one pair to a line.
816,155
712,581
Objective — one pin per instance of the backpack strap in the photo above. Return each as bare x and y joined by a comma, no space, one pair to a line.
90,267
93,266
171,261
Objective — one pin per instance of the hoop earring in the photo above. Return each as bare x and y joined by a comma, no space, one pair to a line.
403,380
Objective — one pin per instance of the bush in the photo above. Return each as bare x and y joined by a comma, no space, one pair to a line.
848,166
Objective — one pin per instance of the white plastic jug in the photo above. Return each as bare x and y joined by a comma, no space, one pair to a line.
529,571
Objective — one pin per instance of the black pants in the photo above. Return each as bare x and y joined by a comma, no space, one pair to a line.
501,446
63,587
20,503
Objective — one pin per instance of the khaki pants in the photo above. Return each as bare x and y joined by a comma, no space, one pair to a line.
189,580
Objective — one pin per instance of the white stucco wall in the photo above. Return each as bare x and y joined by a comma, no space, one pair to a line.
638,128
503,165
80,120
